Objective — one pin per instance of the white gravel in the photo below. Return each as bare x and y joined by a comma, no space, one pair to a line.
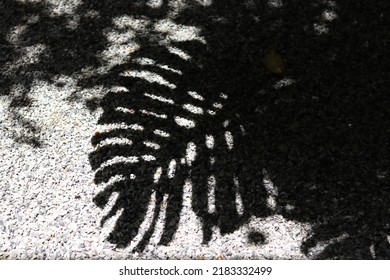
46,192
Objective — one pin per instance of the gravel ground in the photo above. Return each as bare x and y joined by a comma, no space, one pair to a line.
47,208
47,187
46,196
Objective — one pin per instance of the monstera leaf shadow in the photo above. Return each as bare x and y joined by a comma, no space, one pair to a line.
149,114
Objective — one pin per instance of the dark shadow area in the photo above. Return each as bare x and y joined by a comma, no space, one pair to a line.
320,129
324,139
69,42
324,136
13,15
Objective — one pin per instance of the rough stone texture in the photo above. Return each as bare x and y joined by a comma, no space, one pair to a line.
163,114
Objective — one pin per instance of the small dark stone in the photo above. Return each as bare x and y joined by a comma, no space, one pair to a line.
256,238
